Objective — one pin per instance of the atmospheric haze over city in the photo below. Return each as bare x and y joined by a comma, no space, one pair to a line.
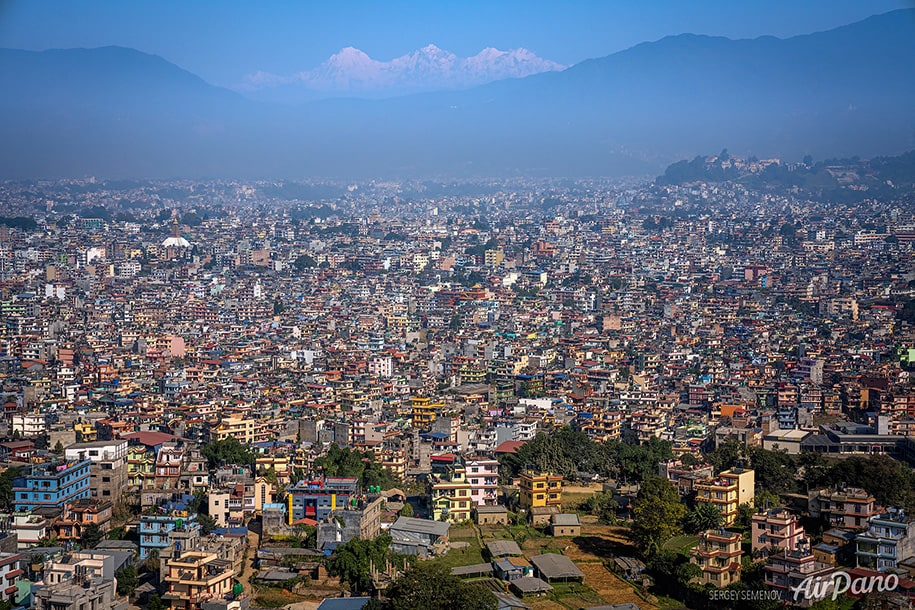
506,305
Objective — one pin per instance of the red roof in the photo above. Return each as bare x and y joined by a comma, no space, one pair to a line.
508,447
150,438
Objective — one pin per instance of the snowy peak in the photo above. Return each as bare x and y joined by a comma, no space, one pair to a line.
352,71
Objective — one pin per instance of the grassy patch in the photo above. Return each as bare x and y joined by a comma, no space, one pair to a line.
466,556
668,603
681,544
578,590
272,597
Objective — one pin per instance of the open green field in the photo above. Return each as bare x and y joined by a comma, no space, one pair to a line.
681,544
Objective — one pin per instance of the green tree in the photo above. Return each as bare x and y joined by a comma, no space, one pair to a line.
774,470
765,499
351,561
6,487
686,572
703,516
407,510
656,515
207,523
726,454
228,451
59,448
127,579
431,586
304,262
744,518
601,505
354,463
155,603
92,535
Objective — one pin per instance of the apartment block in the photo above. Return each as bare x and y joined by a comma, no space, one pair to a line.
727,491
718,556
52,484
540,489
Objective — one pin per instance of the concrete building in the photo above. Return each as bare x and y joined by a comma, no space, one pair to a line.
776,529
450,497
361,521
82,581
483,476
80,514
888,541
195,577
108,467
786,570
727,491
317,499
52,484
10,571
848,508
540,489
718,556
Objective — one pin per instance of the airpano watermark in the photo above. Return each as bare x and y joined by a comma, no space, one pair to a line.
814,589
838,583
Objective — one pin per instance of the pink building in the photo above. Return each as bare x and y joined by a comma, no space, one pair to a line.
776,528
483,476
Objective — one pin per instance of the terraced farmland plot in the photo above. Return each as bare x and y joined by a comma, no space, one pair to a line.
609,586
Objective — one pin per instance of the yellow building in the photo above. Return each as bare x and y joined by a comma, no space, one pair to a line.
279,464
494,257
85,432
141,467
727,491
718,556
423,410
451,499
241,429
540,489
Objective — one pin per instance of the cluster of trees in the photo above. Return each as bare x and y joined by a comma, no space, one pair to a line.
602,505
907,313
228,451
891,482
354,463
303,262
6,487
883,176
19,222
698,170
431,586
568,452
352,560
422,586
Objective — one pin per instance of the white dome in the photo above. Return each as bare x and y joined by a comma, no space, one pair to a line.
176,242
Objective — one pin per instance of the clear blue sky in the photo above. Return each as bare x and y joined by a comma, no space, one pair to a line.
222,41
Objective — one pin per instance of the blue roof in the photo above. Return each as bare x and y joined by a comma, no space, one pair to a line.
231,531
344,603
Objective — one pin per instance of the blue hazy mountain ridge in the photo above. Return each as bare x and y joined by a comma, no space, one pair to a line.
117,112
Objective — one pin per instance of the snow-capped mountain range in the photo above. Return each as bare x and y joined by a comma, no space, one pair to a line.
353,72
